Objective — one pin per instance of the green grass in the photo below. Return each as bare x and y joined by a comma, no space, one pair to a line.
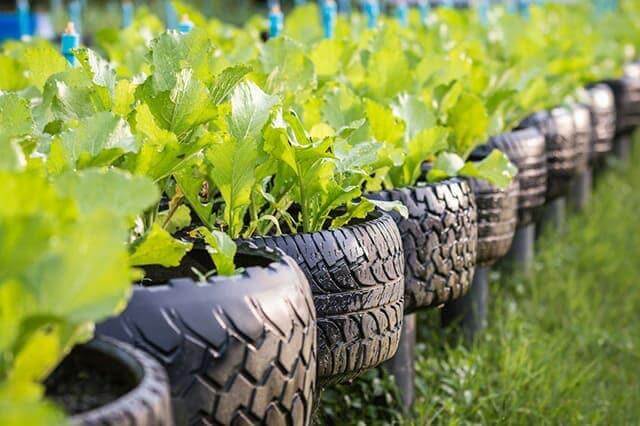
563,346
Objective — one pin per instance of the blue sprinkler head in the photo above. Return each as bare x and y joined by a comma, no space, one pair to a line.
329,17
185,26
371,11
69,41
276,21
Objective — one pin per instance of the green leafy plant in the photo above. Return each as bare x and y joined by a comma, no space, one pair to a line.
65,265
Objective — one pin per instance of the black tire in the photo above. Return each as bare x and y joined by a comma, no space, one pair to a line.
237,349
626,92
582,135
562,152
440,239
603,120
497,219
147,404
356,276
526,149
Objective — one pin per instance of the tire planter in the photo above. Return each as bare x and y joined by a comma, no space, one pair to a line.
526,149
497,219
627,98
582,134
106,382
238,349
561,148
603,120
356,276
440,239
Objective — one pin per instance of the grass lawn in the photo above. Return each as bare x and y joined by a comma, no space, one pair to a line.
563,346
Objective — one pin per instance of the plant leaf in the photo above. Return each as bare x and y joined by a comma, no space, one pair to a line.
110,190
469,123
181,109
250,110
446,165
158,247
495,168
97,141
227,81
222,250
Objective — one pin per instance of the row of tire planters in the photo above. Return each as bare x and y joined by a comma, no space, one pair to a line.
106,382
440,239
356,275
626,92
237,350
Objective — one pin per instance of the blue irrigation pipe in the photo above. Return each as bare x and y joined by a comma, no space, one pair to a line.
276,21
185,26
75,15
448,3
329,13
425,9
24,18
372,12
171,19
402,12
55,6
69,41
344,7
524,8
483,11
127,13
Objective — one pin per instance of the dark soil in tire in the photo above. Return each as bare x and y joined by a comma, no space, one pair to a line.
440,239
562,152
497,219
106,382
356,276
526,150
603,120
238,349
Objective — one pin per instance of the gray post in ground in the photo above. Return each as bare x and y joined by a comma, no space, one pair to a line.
555,214
581,188
469,313
622,148
402,365
521,254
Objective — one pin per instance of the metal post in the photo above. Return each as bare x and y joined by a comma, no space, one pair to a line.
521,254
581,189
470,311
555,214
622,148
402,365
